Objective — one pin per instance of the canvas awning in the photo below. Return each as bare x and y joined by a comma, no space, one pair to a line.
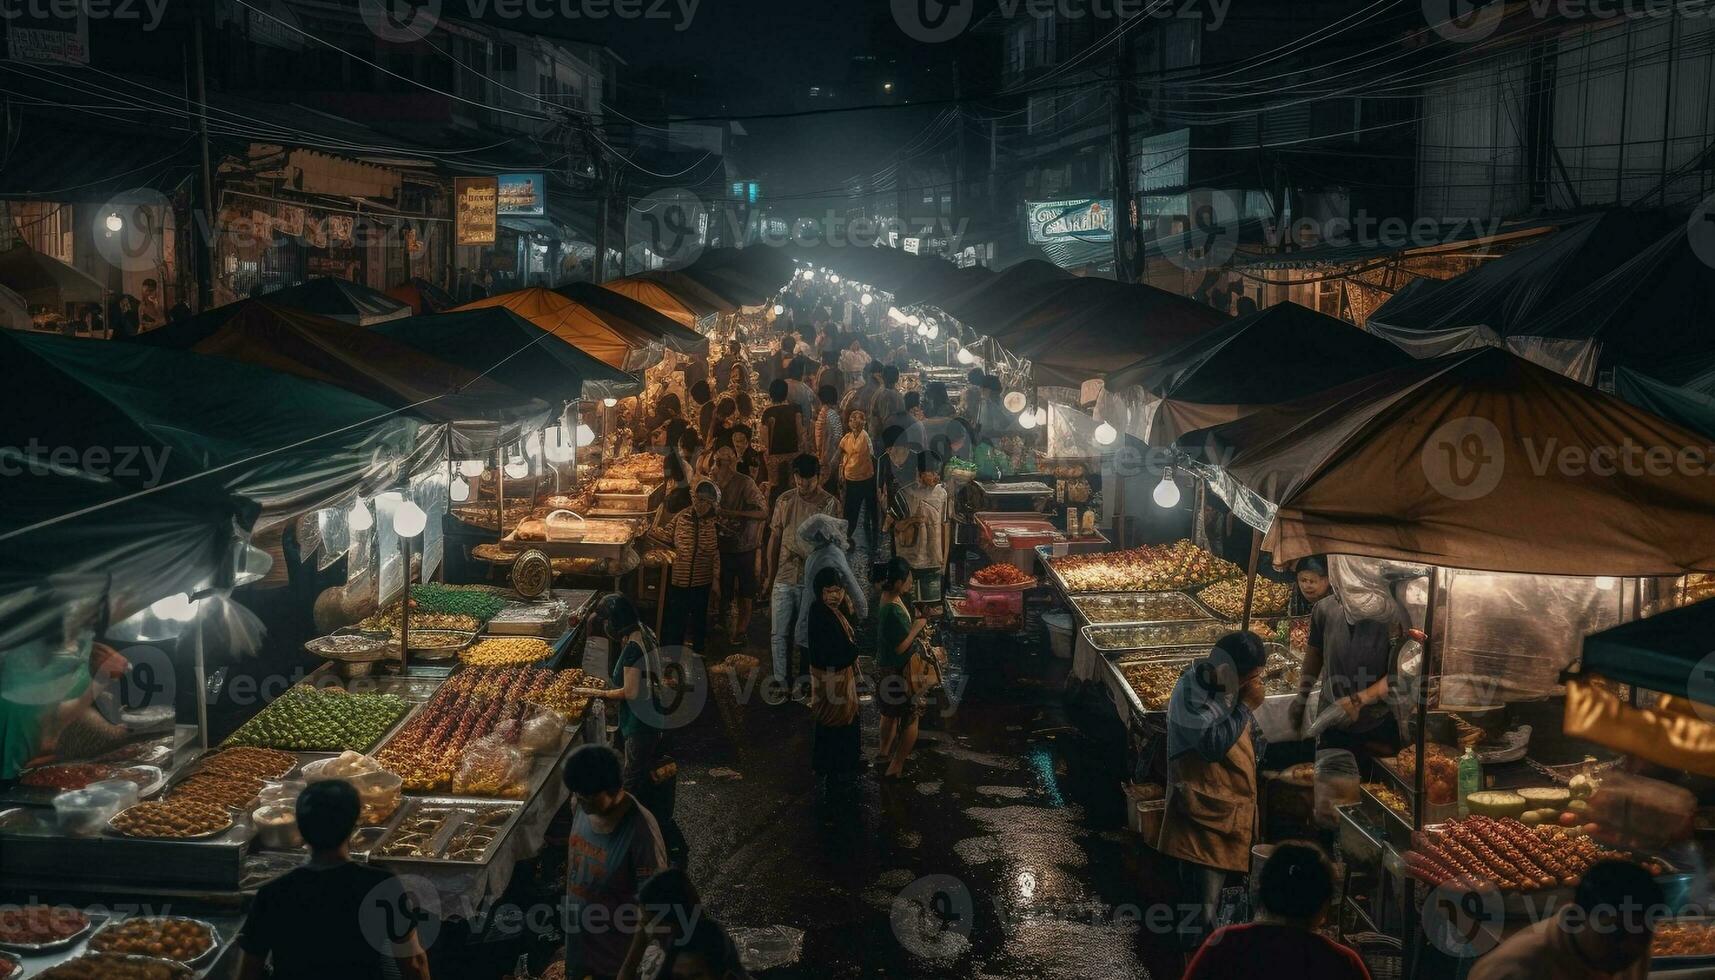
342,300
513,351
1476,460
984,305
1079,329
483,413
617,308
1273,355
688,290
681,307
615,342
42,280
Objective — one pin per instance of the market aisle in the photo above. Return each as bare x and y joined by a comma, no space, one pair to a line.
1005,798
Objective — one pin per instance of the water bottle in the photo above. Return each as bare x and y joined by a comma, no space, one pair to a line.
1470,778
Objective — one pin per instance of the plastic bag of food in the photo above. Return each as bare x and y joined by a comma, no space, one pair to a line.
1337,785
1632,811
540,730
491,767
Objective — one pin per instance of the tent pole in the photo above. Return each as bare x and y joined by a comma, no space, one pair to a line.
1412,952
201,668
1250,579
500,493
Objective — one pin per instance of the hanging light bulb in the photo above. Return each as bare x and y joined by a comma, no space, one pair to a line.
178,606
1167,492
1014,401
1106,434
896,316
866,299
1027,421
778,309
922,331
1042,415
609,402
517,469
934,331
914,320
834,279
459,491
360,519
114,222
471,467
409,520
586,435
965,356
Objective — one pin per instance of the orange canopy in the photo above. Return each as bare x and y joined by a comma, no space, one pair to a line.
676,305
611,341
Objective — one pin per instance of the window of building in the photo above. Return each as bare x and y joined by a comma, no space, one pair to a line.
507,59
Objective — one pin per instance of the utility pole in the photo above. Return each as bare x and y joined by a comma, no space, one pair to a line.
1125,251
203,230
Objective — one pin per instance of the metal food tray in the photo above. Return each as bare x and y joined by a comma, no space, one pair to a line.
174,967
574,549
449,829
1660,964
1094,633
1396,828
1113,664
203,959
1044,554
440,652
93,921
1079,600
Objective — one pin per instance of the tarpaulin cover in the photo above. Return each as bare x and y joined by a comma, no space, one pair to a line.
987,304
483,413
681,306
1626,280
1476,460
422,296
514,352
688,290
1665,652
615,342
1079,329
613,307
43,280
1273,355
151,417
341,299
744,276
1693,409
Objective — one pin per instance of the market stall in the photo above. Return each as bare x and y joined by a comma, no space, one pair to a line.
614,341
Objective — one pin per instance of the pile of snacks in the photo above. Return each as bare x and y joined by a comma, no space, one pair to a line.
257,762
1227,598
639,466
77,775
112,966
170,937
1151,568
1001,574
502,651
39,925
433,597
473,704
1505,854
172,819
1386,796
1153,681
308,719
1442,780
1689,937
214,789
1142,607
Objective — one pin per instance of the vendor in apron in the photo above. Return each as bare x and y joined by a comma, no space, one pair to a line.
1213,743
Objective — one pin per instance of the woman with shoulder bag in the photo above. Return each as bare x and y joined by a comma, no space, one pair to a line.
833,673
636,683
897,636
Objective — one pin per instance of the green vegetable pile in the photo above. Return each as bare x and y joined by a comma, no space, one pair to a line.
306,719
958,463
433,597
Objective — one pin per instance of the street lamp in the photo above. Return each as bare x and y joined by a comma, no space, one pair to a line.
115,223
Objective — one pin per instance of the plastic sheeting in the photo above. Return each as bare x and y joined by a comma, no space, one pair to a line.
1665,652
1507,637
342,300
1695,410
513,351
1364,469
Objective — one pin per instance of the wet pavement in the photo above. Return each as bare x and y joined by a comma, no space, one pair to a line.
1003,853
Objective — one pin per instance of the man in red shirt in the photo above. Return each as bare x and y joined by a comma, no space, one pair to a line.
1295,890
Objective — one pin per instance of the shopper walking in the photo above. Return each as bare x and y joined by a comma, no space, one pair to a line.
923,535
784,436
857,479
898,632
696,551
614,846
786,554
743,514
826,435
887,403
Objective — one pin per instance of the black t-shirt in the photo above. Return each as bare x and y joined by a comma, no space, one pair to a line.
330,922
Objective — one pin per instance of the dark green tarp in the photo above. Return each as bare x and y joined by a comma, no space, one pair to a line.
1695,410
1663,653
512,351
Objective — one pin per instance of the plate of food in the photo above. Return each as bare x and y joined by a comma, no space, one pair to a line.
113,966
179,819
183,940
34,930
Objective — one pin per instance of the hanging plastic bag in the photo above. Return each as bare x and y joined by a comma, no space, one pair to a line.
1337,785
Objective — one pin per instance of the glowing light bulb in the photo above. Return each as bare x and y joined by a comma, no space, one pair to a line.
114,222
778,309
1014,401
1166,492
1605,582
586,435
965,356
610,402
517,469
1106,434
1027,421
914,320
409,520
360,519
934,331
834,279
459,491
1041,416
867,299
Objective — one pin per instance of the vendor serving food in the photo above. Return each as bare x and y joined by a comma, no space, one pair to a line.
1351,652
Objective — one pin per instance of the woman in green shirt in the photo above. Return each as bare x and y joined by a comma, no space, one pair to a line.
897,630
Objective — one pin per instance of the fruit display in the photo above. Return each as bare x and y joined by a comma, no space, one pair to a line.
471,705
1139,607
169,937
113,966
1502,853
77,775
1442,780
1155,635
501,651
1227,598
1001,574
1386,796
172,819
39,925
1685,937
1151,568
458,600
256,762
308,719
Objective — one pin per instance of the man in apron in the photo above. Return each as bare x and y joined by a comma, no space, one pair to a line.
1213,743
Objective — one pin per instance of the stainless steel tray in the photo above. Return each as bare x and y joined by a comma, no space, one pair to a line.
205,958
174,968
1102,638
1082,602
463,809
93,921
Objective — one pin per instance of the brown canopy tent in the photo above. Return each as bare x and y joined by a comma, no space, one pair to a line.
613,307
682,306
1476,460
1078,329
614,341
688,290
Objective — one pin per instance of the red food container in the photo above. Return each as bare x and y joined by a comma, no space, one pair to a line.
995,601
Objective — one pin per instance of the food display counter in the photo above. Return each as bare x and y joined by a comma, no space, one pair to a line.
110,943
